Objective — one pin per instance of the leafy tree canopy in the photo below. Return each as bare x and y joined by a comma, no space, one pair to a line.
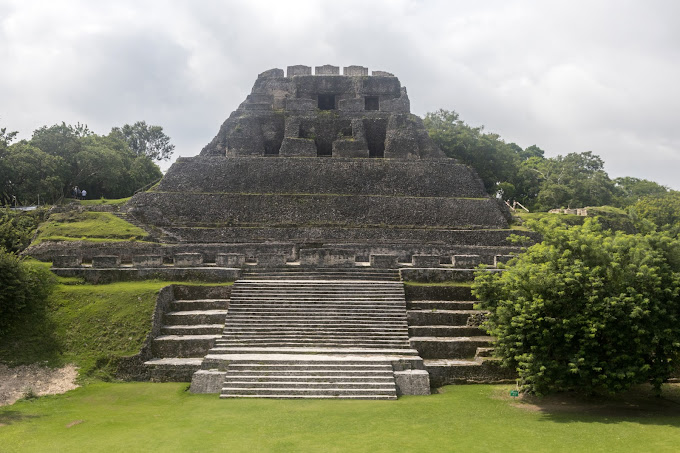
145,140
659,212
587,310
58,158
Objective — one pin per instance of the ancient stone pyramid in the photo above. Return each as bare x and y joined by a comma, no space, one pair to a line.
324,160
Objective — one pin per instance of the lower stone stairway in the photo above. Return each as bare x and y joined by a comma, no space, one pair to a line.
329,273
447,334
317,336
189,330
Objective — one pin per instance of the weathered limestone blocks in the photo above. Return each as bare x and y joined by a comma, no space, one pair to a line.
498,259
383,261
207,381
327,257
351,105
299,69
230,260
271,260
381,74
297,147
300,105
466,261
327,69
103,261
188,259
355,71
271,73
350,148
61,261
147,260
425,260
412,382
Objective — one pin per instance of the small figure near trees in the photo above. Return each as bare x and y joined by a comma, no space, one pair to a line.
83,194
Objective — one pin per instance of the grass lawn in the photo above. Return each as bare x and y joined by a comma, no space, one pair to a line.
93,226
86,325
141,417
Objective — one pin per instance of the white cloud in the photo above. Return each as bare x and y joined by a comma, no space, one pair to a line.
569,76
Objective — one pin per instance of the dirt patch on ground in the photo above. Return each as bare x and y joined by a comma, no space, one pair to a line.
15,382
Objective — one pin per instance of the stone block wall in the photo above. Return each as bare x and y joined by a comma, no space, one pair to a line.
424,178
223,209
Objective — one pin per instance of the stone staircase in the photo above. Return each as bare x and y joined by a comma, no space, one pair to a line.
329,273
189,330
447,335
327,333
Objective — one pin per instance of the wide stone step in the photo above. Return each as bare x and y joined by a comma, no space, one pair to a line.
199,329
441,317
228,335
323,375
313,350
336,365
440,305
199,304
172,369
268,384
317,306
182,345
449,347
314,343
450,371
312,394
195,317
445,331
273,321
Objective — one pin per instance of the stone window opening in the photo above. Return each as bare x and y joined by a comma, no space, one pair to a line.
326,102
371,103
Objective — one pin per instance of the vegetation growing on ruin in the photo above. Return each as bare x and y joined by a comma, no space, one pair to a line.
148,417
74,226
87,325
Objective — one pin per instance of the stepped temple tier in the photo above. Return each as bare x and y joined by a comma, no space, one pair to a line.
320,195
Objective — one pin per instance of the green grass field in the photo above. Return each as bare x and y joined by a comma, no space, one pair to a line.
89,226
86,325
144,417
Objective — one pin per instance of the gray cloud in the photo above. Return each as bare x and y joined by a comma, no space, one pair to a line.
568,76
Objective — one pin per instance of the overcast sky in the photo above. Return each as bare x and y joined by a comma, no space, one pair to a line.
568,76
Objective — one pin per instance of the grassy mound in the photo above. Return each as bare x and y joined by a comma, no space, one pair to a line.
89,226
87,325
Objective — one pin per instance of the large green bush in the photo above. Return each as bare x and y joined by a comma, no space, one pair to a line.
587,309
23,288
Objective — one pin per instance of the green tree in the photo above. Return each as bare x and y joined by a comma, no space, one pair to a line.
574,180
658,212
146,140
587,310
494,160
17,228
31,175
23,288
630,190
103,165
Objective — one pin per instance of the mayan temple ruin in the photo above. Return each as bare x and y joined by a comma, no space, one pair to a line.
321,195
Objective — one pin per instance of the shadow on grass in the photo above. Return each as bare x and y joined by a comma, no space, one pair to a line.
32,339
9,417
639,405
